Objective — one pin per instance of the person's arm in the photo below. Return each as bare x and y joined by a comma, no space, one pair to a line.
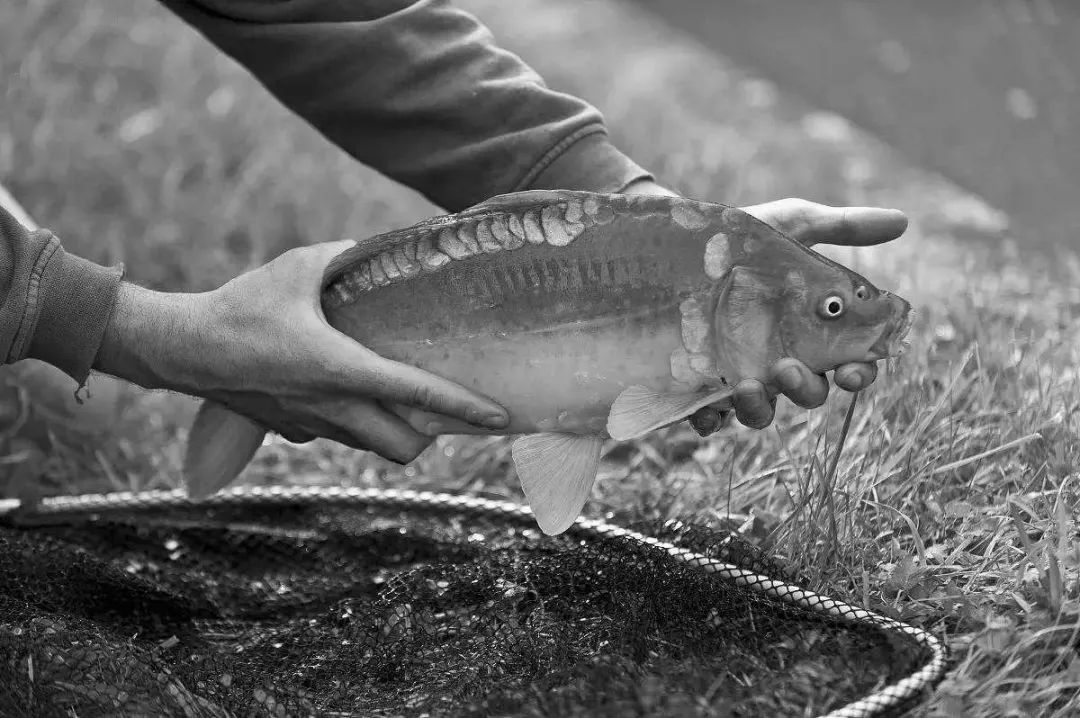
54,306
420,92
259,341
260,345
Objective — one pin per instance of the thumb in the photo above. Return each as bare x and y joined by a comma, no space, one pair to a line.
310,264
811,223
326,251
855,226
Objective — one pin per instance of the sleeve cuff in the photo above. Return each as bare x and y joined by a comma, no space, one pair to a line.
76,300
586,160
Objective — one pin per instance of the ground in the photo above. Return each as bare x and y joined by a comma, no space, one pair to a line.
952,504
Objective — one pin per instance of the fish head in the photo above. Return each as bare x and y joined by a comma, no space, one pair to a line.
781,299
834,316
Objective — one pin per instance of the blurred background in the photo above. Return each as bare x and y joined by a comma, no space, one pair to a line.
134,140
986,93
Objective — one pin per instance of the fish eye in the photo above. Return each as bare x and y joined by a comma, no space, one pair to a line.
832,306
861,292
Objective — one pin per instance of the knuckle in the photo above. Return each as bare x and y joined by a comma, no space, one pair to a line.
798,205
298,264
295,255
420,395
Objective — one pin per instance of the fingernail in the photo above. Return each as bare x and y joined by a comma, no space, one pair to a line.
790,378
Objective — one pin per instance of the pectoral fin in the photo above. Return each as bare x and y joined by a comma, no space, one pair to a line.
557,472
220,444
639,410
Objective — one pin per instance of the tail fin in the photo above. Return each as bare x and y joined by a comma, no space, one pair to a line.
220,444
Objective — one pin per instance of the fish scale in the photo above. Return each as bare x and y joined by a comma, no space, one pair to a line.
584,315
634,257
593,311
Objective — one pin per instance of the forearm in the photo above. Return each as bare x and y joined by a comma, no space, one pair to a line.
156,339
418,91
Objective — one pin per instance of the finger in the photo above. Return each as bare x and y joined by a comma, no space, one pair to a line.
432,424
289,431
854,377
263,410
709,420
368,426
705,421
404,384
798,383
294,435
753,405
790,216
855,226
812,223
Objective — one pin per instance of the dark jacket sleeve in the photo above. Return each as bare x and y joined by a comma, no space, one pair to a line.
419,92
54,306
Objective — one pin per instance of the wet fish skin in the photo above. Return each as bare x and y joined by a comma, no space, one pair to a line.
543,329
590,315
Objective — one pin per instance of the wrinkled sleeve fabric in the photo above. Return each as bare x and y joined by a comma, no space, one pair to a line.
54,306
418,91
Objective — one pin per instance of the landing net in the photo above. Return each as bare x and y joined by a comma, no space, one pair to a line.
350,602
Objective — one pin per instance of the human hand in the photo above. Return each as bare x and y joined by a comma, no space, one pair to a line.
810,223
261,346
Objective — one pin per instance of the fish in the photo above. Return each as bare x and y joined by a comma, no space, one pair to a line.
589,317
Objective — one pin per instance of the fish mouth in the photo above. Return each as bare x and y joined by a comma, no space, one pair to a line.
893,342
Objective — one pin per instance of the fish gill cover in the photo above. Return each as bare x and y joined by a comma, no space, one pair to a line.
346,602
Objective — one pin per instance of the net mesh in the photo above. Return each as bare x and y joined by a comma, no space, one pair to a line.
278,606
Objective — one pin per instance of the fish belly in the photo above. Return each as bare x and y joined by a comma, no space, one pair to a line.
561,379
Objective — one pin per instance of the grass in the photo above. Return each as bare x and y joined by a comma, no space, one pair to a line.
952,505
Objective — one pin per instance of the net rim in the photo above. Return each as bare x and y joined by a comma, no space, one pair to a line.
889,697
